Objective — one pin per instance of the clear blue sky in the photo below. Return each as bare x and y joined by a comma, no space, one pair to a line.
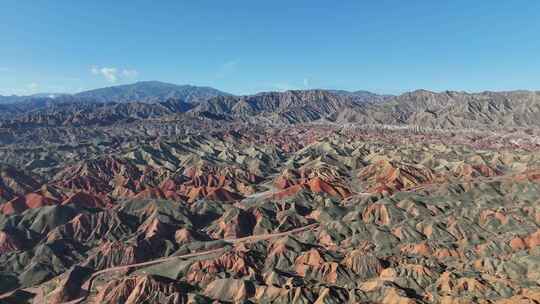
249,46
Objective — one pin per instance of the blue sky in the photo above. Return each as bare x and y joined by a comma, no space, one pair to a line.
249,46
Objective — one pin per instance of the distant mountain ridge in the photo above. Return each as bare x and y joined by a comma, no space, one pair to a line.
25,98
176,97
295,106
363,96
150,91
143,100
144,91
289,107
452,110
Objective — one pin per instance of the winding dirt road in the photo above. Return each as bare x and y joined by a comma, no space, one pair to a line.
87,286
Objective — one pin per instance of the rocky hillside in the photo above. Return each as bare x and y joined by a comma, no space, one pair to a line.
286,107
453,110
424,109
275,108
241,213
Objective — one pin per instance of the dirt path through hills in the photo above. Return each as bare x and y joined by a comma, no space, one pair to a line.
87,286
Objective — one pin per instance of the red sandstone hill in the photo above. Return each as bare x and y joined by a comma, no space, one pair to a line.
303,214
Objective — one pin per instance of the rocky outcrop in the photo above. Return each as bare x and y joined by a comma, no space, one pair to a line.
142,289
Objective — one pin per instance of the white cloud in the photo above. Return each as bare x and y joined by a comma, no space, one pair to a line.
4,69
227,68
130,73
113,75
109,74
94,70
32,87
306,82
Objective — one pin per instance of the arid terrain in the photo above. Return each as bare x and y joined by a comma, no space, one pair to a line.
156,193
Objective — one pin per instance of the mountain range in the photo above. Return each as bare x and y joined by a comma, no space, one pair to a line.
449,109
150,91
192,210
157,193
